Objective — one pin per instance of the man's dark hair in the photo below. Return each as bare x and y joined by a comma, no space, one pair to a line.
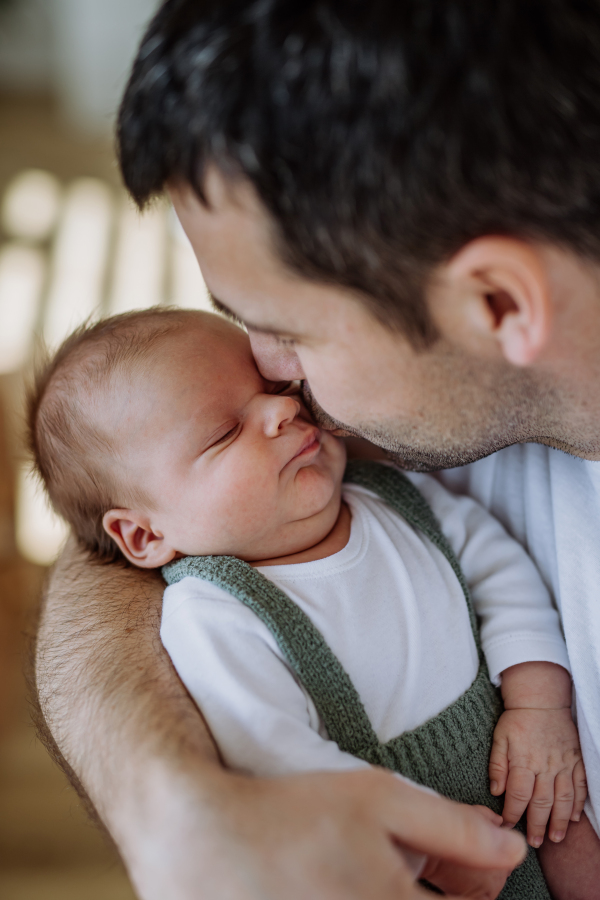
381,135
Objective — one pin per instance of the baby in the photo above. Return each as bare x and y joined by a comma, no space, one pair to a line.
318,624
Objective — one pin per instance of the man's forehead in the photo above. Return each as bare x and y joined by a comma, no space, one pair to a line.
245,279
234,242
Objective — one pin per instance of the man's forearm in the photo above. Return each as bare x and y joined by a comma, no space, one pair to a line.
106,687
572,868
187,828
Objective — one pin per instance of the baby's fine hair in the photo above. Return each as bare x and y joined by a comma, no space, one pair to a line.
73,452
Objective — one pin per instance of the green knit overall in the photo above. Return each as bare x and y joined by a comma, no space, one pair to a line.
449,753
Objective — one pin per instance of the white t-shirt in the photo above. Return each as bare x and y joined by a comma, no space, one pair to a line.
393,612
550,502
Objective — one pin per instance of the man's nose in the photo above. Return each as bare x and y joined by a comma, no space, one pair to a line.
275,361
278,411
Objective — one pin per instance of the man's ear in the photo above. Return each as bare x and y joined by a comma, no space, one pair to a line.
133,534
496,289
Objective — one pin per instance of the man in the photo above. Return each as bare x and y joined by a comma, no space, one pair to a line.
401,202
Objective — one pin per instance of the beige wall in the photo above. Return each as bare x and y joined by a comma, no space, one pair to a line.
80,49
48,850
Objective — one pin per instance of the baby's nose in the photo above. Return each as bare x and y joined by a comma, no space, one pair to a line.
279,412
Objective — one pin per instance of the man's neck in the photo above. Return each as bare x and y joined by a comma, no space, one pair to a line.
571,360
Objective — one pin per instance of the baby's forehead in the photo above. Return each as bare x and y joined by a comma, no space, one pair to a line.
104,380
221,346
203,358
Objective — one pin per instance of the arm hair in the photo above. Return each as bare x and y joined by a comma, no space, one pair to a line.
106,697
123,727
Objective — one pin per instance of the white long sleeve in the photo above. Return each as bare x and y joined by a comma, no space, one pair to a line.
518,622
550,502
391,609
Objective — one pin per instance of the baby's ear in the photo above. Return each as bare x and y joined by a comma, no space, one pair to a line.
133,534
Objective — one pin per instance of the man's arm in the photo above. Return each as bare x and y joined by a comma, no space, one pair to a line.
572,867
187,828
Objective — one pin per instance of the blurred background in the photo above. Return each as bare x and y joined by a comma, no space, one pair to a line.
71,247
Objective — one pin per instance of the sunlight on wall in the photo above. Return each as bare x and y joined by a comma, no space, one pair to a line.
31,205
75,252
187,287
40,533
22,274
138,280
79,258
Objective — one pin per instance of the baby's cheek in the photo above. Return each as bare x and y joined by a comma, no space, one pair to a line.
248,505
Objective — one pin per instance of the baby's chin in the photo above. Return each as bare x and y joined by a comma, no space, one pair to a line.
317,482
319,486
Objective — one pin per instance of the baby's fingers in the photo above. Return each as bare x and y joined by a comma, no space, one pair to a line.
519,788
581,790
564,797
498,767
540,807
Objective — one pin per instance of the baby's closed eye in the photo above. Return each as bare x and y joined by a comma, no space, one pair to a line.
230,434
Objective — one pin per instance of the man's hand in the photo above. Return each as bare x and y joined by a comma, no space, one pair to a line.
185,827
327,836
465,881
536,757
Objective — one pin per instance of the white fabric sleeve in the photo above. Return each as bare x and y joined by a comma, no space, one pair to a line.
517,618
262,719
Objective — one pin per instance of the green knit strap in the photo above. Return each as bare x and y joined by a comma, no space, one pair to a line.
398,492
302,644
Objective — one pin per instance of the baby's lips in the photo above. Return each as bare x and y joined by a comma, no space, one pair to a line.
313,436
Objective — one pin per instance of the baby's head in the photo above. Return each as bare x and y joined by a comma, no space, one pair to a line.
156,436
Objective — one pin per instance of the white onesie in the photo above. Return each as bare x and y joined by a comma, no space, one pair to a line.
393,612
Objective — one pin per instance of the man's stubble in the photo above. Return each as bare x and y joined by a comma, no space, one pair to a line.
476,410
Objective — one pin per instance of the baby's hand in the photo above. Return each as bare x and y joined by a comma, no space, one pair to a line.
536,756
